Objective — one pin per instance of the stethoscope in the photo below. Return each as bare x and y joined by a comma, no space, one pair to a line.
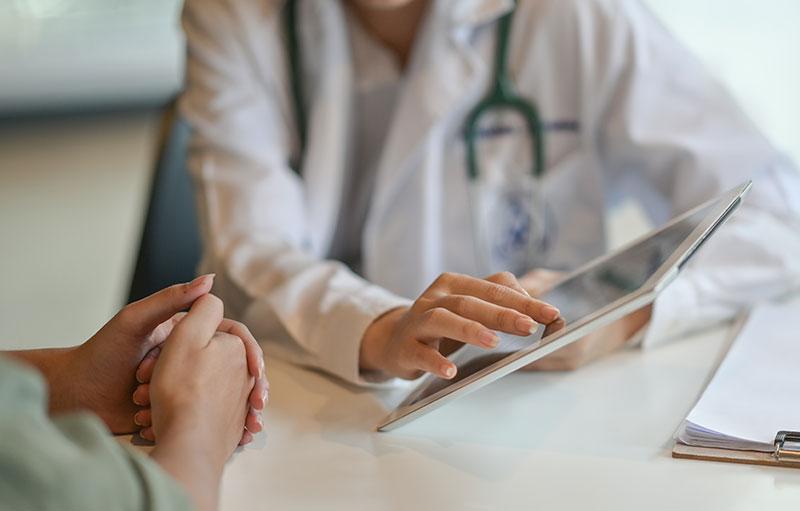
501,97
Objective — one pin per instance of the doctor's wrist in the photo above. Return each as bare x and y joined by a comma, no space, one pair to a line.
373,350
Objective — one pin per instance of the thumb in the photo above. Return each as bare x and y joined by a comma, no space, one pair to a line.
200,324
142,317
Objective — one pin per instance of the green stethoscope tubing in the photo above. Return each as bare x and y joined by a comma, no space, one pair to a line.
502,95
295,78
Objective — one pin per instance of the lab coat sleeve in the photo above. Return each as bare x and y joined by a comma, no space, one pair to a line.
666,126
252,205
70,463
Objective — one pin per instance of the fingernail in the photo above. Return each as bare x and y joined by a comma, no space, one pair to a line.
199,281
265,397
449,371
138,378
260,368
133,397
141,434
551,312
489,338
260,420
526,324
136,419
526,292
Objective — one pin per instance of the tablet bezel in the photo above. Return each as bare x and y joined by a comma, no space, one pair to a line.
644,295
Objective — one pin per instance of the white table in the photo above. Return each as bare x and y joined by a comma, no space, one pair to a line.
597,438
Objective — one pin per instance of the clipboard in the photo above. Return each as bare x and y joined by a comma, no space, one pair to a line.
786,453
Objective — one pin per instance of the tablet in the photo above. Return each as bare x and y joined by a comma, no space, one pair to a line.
594,295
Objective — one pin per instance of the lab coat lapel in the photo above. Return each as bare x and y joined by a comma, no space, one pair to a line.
327,50
443,83
443,71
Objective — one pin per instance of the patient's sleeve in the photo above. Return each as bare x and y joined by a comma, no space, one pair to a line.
70,462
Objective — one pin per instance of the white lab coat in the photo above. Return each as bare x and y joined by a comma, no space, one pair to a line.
651,124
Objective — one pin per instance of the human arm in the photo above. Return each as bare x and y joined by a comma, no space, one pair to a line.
99,375
69,462
199,396
455,310
200,390
262,224
670,132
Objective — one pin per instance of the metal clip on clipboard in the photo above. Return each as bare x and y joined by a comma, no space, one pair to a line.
787,447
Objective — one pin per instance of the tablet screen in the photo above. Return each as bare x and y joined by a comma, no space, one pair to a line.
625,272
580,295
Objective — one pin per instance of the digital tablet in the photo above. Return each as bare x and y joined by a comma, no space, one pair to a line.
596,294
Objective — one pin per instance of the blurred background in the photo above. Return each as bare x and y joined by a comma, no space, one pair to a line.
83,87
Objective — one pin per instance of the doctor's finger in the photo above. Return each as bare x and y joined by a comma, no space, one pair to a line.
439,322
506,297
506,278
427,358
489,315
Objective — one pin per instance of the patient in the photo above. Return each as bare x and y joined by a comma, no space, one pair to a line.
205,395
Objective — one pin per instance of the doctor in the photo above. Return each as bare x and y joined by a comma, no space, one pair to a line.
343,220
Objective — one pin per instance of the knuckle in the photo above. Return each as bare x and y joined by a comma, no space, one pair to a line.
435,315
503,277
470,329
458,304
506,276
441,279
497,293
449,277
534,307
446,277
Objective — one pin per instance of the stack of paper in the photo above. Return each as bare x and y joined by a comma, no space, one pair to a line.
754,393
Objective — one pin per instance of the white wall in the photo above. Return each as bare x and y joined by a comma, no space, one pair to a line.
753,46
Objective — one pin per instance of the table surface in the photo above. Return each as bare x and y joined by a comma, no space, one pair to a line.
597,437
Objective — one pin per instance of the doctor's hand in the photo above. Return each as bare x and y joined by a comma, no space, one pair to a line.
590,347
454,310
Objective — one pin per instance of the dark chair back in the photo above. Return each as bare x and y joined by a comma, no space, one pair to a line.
170,248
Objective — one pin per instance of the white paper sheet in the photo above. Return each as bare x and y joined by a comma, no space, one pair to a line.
754,393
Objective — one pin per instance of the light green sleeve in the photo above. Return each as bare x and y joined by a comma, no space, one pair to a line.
70,462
